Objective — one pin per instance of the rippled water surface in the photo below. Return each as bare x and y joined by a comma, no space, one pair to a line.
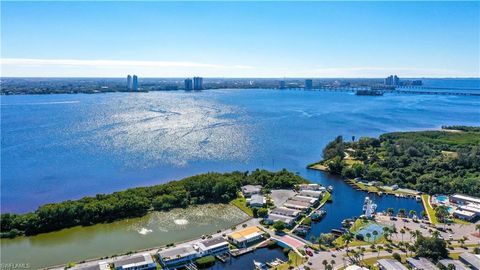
57,147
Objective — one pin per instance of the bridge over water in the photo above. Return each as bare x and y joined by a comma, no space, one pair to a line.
419,90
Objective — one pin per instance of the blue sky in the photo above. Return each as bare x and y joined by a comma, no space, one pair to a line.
241,39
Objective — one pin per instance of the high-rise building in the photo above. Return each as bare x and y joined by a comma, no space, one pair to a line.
282,84
392,80
135,83
388,80
396,80
188,84
129,82
308,84
197,83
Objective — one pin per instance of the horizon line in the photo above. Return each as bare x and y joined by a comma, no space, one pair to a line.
213,77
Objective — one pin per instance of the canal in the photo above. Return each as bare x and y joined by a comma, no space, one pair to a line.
348,202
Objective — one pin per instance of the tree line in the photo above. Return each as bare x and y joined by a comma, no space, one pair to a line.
435,162
134,202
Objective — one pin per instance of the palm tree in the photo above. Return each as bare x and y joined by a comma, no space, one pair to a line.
407,248
390,211
401,212
435,234
347,238
441,212
368,235
402,231
412,248
386,233
423,214
375,233
324,262
332,262
417,234
379,248
412,213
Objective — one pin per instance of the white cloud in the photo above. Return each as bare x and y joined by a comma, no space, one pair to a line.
380,72
27,67
111,63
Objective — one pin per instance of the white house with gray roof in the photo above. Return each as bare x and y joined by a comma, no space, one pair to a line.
390,264
135,262
250,190
472,260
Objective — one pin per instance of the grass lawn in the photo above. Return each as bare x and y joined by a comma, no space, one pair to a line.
428,207
241,203
325,198
372,261
339,242
454,256
461,221
318,166
431,212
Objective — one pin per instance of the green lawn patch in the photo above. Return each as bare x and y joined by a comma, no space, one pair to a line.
325,198
241,203
206,261
430,210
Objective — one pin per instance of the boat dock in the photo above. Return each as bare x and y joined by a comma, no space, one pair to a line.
239,252
223,257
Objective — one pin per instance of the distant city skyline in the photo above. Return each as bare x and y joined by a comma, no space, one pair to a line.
240,39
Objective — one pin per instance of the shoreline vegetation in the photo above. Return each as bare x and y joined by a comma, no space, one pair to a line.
136,202
434,162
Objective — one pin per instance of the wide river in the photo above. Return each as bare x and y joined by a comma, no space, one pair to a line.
57,147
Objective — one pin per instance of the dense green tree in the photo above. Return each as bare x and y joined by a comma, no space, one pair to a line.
334,148
336,165
198,189
262,212
279,226
431,247
435,162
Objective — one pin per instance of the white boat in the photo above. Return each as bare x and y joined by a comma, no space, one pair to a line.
259,265
369,207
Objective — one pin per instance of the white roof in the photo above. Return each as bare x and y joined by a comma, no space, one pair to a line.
471,259
257,199
390,264
421,263
464,213
355,267
470,208
147,260
251,188
285,219
466,198
458,264
177,252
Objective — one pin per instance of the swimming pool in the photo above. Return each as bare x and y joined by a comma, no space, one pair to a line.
442,199
369,229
